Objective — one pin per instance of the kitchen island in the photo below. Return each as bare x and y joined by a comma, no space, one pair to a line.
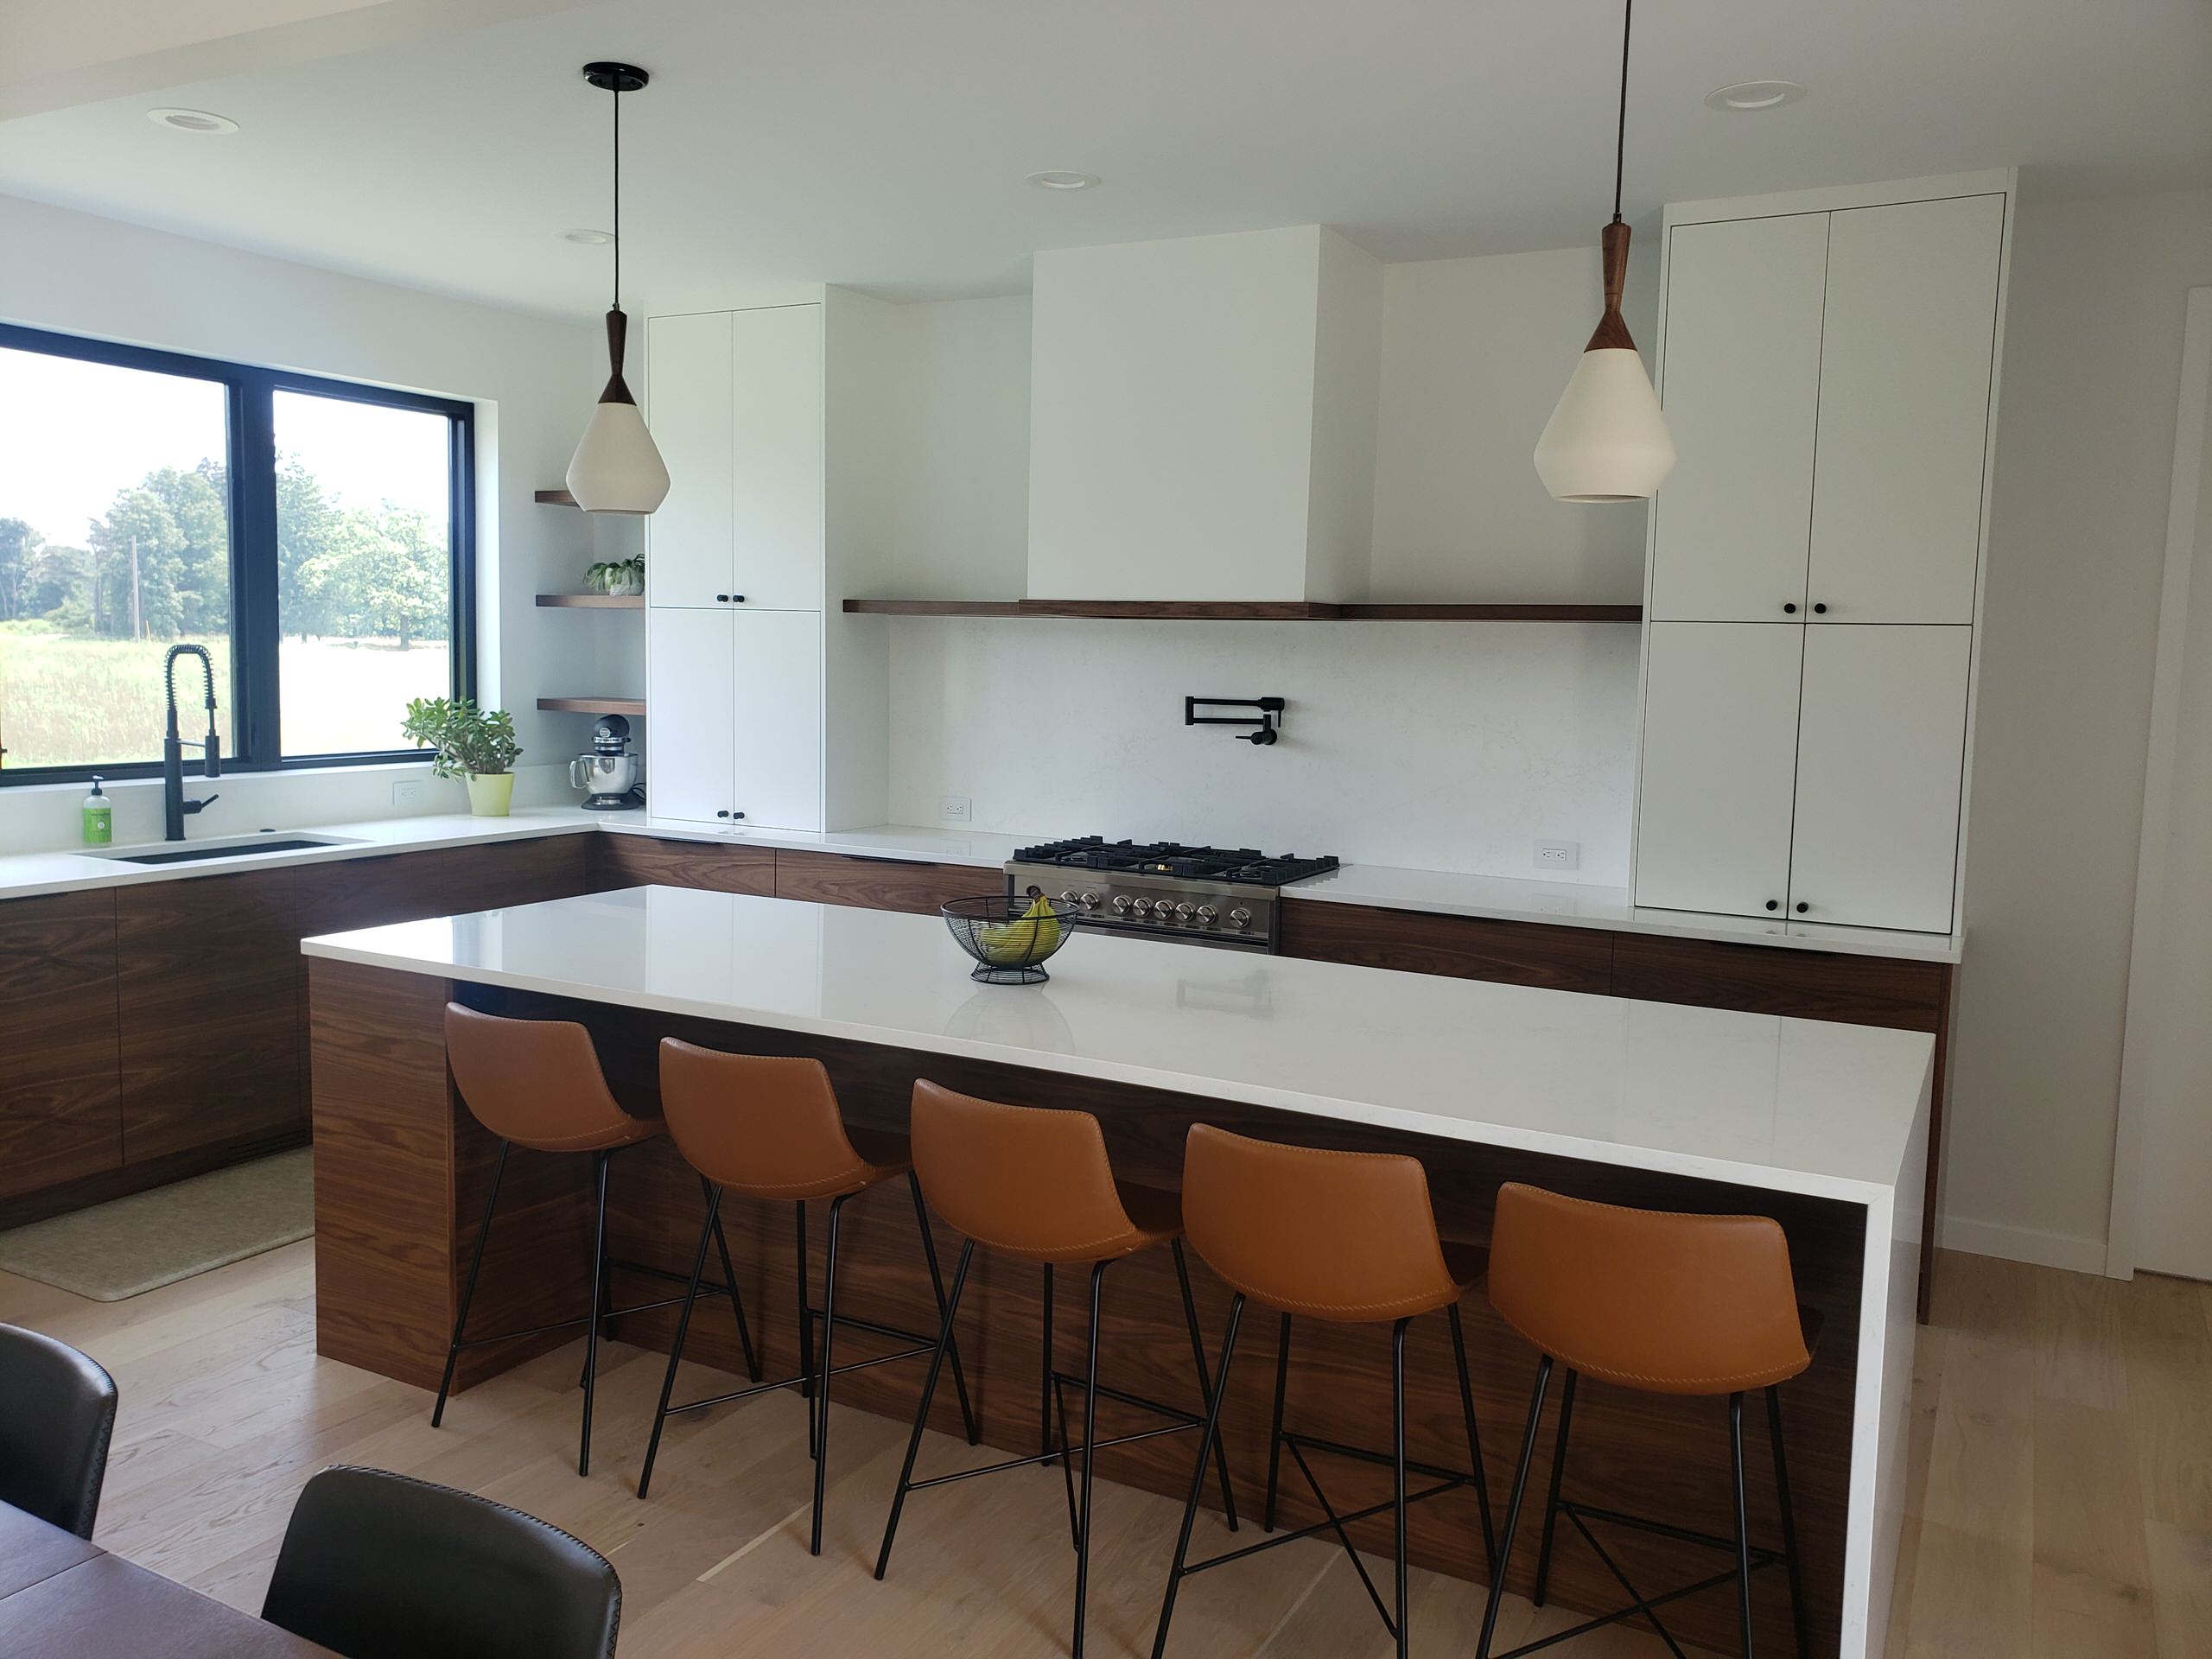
1821,1125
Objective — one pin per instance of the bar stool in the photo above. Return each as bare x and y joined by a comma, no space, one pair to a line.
537,1084
769,1128
1662,1303
1348,1237
1034,1185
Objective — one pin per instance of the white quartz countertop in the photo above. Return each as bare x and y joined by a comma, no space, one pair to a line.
1445,892
1773,1103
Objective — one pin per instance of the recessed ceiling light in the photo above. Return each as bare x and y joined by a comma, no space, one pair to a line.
192,120
590,239
1063,181
1746,97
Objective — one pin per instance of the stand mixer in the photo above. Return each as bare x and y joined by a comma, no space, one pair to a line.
610,771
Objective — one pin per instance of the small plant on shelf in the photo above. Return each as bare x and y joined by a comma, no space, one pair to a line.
618,578
466,741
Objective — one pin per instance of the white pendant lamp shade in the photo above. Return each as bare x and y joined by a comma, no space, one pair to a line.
1607,441
617,467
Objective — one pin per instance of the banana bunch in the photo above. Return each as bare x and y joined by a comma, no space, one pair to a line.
1030,937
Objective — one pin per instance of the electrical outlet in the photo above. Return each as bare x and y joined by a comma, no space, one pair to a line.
1559,856
410,792
955,809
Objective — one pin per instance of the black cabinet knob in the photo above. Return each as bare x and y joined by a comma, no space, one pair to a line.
1802,907
739,599
722,814
1774,904
737,815
1819,610
721,599
1790,610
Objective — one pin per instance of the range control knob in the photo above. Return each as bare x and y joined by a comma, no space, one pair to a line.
1142,907
1239,917
1121,904
1089,900
1184,912
1208,915
1067,895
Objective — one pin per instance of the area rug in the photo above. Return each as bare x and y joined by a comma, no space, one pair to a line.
128,1246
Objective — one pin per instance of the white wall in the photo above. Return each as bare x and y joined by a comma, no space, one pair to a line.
1475,353
533,379
2084,456
1440,746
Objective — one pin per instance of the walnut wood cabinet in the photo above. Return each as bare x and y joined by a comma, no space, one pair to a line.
61,1097
879,883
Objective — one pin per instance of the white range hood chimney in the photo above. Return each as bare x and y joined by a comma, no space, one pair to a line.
1202,418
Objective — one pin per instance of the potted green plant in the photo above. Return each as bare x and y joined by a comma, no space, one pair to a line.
618,577
466,741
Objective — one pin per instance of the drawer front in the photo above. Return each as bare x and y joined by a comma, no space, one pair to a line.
623,860
61,1097
1763,979
880,883
1460,947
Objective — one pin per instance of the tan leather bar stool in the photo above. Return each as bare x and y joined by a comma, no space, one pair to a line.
1035,1184
537,1084
1348,1237
769,1127
1662,1303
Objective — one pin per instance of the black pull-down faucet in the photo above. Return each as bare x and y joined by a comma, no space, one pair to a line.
174,807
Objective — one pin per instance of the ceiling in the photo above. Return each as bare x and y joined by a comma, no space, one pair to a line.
882,143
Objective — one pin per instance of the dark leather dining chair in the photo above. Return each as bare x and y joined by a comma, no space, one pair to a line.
379,1565
57,1413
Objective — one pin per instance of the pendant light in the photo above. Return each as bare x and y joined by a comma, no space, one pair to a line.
1607,439
616,468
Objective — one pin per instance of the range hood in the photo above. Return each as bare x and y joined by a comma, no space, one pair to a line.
1202,419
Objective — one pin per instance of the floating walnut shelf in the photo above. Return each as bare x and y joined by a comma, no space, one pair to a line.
555,499
1176,610
592,705
592,601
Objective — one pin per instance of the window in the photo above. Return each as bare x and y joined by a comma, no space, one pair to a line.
314,536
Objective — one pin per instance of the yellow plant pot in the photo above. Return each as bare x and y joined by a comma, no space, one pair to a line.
490,793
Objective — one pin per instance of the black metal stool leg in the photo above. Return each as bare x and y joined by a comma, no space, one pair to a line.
598,1313
710,1228
468,1287
1045,1376
1789,1526
1205,1379
730,1278
937,1286
1513,1508
922,1414
1743,1531
1398,1470
1199,1472
1474,1438
1090,1438
1551,1501
1274,1437
583,1377
805,1335
821,1388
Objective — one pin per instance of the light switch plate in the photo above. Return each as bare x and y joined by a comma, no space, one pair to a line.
956,809
1559,856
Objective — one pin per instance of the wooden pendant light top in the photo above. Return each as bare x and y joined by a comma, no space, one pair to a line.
618,330
1612,330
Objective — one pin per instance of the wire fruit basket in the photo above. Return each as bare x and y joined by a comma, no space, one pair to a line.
1009,935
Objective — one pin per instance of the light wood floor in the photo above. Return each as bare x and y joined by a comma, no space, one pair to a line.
2061,1496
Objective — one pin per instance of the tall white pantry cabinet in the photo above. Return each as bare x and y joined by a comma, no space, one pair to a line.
736,568
1828,365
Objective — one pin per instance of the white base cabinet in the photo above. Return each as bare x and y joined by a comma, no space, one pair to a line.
736,732
1720,766
1881,750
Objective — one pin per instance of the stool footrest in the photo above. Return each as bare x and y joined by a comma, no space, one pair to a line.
800,1381
585,1319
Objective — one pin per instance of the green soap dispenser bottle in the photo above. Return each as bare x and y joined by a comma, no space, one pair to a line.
98,816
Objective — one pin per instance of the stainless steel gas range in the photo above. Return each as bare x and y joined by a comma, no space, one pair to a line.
1204,895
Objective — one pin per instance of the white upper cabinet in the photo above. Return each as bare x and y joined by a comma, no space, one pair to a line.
1741,384
1905,389
775,691
687,409
1718,768
775,464
690,734
734,400
1881,751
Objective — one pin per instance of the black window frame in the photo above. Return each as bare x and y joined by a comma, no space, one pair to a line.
250,463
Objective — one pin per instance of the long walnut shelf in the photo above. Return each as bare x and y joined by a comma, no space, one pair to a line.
1177,610
593,705
553,498
594,601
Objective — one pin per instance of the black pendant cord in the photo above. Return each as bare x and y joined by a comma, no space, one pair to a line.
618,184
1620,132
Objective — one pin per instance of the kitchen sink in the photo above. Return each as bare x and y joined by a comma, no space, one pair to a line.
230,847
